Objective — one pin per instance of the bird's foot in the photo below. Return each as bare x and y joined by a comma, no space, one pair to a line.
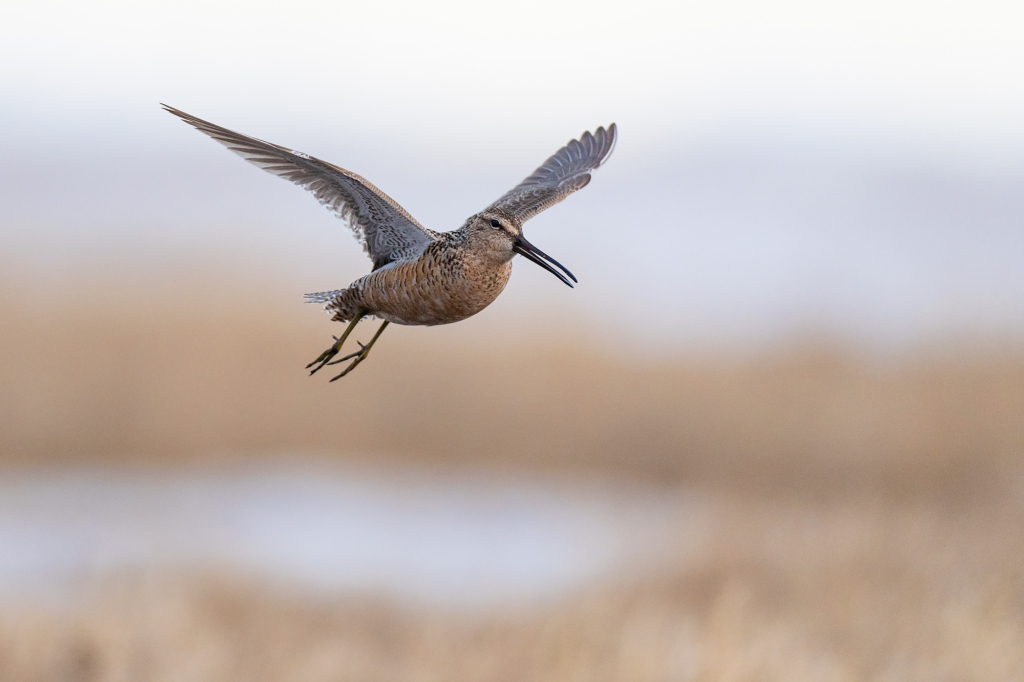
338,343
326,355
361,350
358,356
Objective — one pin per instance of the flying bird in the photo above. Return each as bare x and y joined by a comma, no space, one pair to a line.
422,277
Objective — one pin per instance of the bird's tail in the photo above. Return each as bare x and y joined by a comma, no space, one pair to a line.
344,303
323,296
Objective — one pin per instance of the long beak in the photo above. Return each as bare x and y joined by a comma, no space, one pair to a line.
532,253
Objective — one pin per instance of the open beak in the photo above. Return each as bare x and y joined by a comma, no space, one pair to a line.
532,253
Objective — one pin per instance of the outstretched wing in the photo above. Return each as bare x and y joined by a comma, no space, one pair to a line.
565,172
387,232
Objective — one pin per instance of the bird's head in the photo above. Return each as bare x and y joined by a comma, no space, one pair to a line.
497,236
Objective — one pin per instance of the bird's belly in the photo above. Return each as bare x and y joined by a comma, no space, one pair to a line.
412,295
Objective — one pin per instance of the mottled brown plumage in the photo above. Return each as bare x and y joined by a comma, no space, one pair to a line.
421,277
447,283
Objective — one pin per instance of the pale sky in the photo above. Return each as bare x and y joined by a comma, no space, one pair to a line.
855,168
931,73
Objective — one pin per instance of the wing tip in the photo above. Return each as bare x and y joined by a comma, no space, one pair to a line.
605,138
171,110
186,117
612,133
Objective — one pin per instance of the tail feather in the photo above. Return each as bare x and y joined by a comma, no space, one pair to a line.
323,296
343,303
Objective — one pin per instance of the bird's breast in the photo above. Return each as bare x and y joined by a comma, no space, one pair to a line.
434,289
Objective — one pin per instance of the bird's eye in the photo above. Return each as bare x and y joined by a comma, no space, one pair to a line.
495,223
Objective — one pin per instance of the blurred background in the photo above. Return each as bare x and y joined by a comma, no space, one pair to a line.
775,433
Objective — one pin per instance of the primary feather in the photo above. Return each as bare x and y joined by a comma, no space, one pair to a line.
386,230
566,171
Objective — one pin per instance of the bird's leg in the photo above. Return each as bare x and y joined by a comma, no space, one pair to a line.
333,350
350,355
361,355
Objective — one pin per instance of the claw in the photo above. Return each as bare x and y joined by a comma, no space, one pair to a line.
362,348
358,357
324,357
333,350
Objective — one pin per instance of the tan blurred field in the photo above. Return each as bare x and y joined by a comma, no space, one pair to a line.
808,591
869,521
196,371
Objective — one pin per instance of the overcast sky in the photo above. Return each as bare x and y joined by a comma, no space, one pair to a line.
934,72
782,165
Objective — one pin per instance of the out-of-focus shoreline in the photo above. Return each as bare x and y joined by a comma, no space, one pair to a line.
866,521
781,591
200,372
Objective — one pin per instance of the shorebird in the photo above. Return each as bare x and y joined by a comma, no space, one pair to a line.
422,277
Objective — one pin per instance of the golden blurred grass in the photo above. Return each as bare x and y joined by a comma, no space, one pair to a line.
783,591
868,522
194,371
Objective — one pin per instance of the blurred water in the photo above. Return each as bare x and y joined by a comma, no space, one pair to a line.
460,541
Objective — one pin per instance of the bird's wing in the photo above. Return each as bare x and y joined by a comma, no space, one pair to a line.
565,172
387,232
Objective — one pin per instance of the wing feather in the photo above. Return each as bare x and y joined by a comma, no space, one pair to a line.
386,231
565,172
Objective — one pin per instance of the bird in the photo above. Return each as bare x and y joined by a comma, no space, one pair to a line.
422,277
